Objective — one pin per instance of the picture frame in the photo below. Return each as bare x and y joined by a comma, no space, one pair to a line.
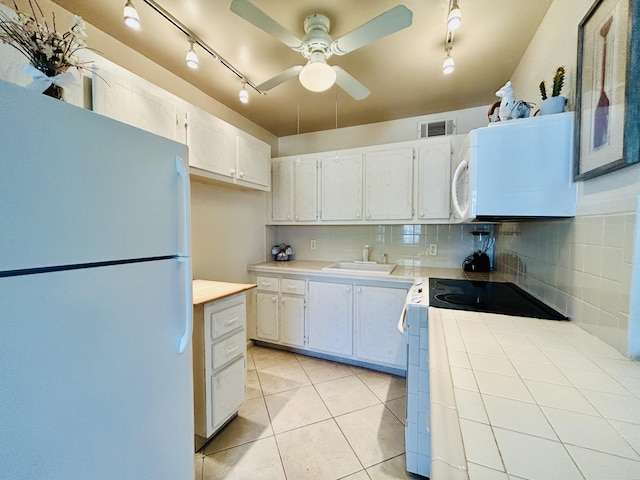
607,117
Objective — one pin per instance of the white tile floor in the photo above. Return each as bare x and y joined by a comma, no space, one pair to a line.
306,418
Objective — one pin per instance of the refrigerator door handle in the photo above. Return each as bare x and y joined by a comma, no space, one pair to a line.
188,313
184,256
186,224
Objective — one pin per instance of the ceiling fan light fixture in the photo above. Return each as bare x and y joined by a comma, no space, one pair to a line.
192,57
317,76
131,17
448,66
243,96
455,17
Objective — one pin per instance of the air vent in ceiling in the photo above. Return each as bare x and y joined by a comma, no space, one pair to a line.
436,129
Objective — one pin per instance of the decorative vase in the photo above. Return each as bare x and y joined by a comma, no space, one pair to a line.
553,105
55,91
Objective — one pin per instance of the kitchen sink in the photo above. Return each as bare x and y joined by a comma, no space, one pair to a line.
361,267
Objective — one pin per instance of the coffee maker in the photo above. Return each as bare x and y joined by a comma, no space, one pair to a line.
479,261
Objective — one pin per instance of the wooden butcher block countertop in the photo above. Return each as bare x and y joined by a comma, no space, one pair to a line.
208,290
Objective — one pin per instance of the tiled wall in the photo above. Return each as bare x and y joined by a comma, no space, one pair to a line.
403,244
580,266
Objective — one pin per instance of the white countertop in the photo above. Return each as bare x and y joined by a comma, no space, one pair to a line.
523,398
402,273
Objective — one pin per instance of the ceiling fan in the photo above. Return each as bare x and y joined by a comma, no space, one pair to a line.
317,46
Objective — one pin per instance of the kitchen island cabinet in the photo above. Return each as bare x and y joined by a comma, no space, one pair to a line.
219,354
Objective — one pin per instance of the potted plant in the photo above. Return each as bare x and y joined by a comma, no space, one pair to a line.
555,103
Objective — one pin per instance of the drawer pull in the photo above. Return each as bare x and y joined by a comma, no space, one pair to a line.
292,287
232,349
232,320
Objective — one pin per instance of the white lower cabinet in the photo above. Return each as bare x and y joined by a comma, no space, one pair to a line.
227,391
330,317
267,320
280,310
377,339
219,350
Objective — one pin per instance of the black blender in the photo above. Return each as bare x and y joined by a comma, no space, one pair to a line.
479,261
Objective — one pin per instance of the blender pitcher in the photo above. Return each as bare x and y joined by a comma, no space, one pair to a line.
479,260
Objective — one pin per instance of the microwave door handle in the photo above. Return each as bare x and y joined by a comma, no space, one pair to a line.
454,191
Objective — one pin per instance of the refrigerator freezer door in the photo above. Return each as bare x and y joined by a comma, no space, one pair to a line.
91,383
77,187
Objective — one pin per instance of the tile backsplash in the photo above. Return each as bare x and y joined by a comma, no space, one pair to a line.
403,244
581,266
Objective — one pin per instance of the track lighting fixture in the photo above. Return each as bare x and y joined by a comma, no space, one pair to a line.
455,16
448,65
131,18
192,58
243,95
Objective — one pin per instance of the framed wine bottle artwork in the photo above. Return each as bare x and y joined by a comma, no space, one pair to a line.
607,131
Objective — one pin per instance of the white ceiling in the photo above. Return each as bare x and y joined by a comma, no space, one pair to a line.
402,71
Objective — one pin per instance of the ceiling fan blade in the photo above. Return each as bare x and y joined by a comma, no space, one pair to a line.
280,78
386,23
350,85
254,15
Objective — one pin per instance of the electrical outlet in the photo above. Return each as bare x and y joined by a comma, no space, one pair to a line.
313,245
433,249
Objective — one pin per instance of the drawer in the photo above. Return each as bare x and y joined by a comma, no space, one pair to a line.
225,320
267,284
292,287
228,349
227,392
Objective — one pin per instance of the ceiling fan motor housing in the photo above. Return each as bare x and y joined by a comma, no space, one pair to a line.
317,38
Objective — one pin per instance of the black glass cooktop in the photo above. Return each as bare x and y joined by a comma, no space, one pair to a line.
490,297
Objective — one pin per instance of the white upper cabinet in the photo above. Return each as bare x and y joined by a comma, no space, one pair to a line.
253,162
341,186
305,197
211,142
294,195
433,180
388,184
407,182
136,102
282,190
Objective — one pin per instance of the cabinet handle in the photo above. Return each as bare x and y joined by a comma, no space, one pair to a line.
368,215
288,217
422,214
273,299
232,171
359,290
292,287
241,174
232,349
232,320
357,215
297,217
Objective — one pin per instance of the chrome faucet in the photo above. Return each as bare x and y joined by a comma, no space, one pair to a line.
365,253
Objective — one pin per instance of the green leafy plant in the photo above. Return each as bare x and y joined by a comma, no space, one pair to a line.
558,83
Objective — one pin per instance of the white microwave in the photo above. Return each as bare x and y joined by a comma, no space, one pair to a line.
516,170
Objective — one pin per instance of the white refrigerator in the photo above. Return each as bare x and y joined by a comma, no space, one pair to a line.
95,297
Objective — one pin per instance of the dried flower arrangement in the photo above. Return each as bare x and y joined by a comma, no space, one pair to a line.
50,53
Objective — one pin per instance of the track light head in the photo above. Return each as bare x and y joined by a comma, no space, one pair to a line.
131,18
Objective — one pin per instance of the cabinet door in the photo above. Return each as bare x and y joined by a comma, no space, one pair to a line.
330,317
377,338
342,187
253,162
267,318
227,393
212,146
128,100
434,179
389,185
292,320
305,196
282,191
